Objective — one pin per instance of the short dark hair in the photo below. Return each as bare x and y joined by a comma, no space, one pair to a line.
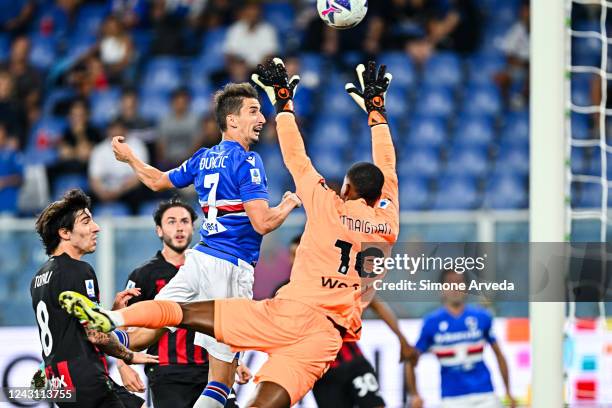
229,101
368,180
296,240
60,214
445,272
171,203
180,91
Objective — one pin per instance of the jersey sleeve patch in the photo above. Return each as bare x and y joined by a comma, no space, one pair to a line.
90,288
130,284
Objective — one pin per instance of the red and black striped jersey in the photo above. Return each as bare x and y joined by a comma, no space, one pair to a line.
348,352
70,359
173,348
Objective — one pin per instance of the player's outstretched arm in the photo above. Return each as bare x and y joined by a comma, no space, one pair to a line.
407,352
371,98
274,80
266,219
150,176
503,370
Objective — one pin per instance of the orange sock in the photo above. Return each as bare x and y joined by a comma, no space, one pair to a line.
153,314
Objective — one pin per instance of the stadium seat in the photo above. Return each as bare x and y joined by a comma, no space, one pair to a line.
104,106
67,182
443,69
456,193
142,39
147,208
483,66
79,45
336,100
589,195
420,162
57,96
5,46
14,313
580,125
515,130
281,15
154,105
162,74
304,102
42,144
10,257
506,191
330,165
201,100
89,19
435,101
396,103
426,131
42,51
211,57
332,131
581,89
401,66
586,51
111,210
414,193
482,100
467,161
474,131
578,162
311,70
512,159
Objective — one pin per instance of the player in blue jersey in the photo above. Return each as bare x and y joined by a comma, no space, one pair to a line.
231,184
457,334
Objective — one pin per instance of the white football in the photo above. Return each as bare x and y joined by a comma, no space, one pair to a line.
342,14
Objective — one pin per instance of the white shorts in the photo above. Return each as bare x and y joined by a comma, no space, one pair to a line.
484,400
205,277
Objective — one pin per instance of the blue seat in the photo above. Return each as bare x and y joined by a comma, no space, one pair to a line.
586,51
506,191
414,193
281,15
505,12
304,102
474,131
42,51
589,196
332,131
421,162
79,45
89,19
467,161
580,125
5,46
55,97
483,66
443,69
578,162
426,131
148,208
456,193
396,102
581,89
154,105
330,165
513,159
401,66
67,182
337,101
516,128
311,69
435,101
111,210
104,106
201,100
142,39
211,57
162,74
482,100
42,144
14,313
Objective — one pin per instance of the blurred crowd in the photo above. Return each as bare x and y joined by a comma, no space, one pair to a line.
74,74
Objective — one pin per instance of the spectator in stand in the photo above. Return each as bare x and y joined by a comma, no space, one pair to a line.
11,174
27,80
111,180
166,17
116,50
217,13
57,21
177,131
76,144
88,76
421,26
11,114
131,13
209,134
250,38
16,15
514,79
137,126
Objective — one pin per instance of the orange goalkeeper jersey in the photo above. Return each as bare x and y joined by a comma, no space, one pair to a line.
324,273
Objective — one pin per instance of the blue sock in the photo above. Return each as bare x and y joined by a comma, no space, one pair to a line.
214,395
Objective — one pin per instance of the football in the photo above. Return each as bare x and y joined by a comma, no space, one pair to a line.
342,14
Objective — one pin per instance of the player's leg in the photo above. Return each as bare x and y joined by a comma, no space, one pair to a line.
269,395
363,385
330,390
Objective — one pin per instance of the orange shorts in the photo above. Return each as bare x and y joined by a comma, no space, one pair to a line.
301,341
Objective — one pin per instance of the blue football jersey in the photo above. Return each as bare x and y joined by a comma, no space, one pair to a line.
225,177
458,342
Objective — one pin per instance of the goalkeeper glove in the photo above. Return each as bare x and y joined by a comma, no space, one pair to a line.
371,97
273,79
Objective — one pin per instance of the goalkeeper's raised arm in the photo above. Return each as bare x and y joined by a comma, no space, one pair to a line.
273,79
371,98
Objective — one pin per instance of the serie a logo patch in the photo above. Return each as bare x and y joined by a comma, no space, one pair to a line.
255,176
90,288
